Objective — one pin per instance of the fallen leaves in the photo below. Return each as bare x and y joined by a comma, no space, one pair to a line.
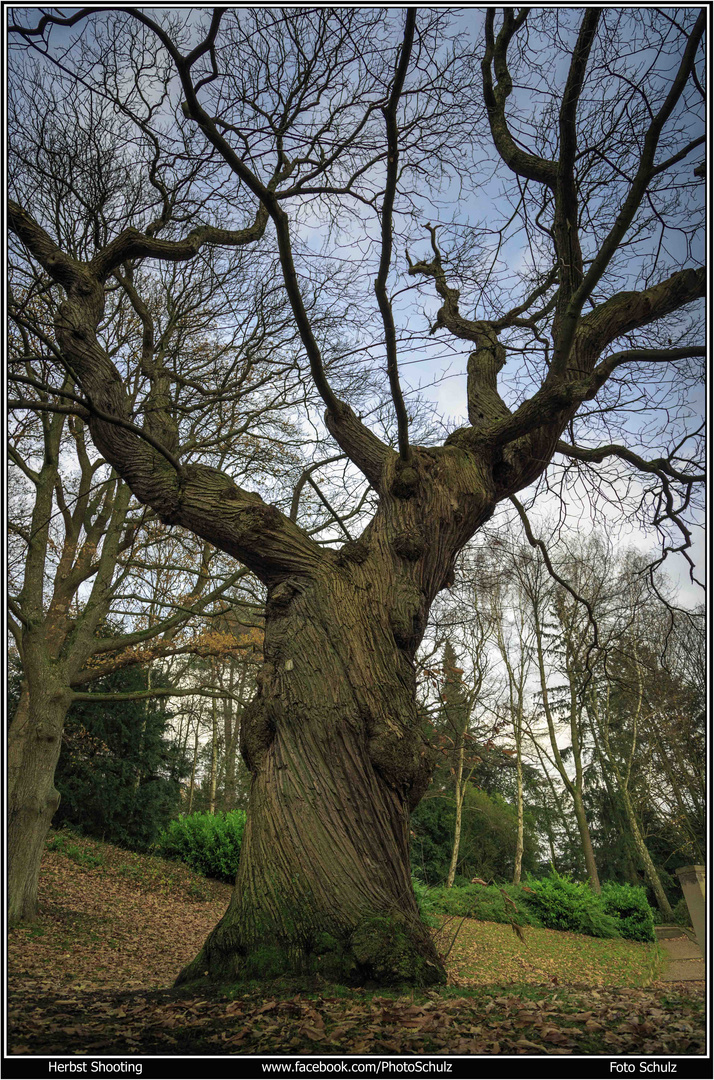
104,928
92,977
558,1022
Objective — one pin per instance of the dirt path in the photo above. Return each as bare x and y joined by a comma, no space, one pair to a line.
684,963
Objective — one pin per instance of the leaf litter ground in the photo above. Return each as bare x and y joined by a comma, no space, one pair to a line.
93,976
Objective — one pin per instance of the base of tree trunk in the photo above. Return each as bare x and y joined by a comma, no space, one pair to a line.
27,831
337,760
388,949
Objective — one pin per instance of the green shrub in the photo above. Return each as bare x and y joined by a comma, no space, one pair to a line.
554,902
484,902
629,904
208,843
562,904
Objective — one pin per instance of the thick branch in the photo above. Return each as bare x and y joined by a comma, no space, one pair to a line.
645,172
133,244
524,164
86,409
557,401
361,445
197,497
565,219
142,695
629,311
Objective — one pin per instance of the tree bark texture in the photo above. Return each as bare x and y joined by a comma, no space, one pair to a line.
337,762
34,743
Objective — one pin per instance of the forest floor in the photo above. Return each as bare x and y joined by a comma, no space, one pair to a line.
93,974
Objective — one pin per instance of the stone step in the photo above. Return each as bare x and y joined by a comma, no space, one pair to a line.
673,931
684,961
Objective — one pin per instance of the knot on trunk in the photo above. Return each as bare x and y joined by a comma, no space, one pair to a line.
354,551
256,733
409,544
406,481
280,597
47,734
407,616
402,757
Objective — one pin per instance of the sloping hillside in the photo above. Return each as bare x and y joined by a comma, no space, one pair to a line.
93,975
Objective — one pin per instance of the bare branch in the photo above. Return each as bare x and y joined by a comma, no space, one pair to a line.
658,466
380,285
541,546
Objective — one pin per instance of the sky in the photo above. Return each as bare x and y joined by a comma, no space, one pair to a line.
438,372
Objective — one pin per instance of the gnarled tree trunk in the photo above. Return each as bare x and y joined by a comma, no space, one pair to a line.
337,762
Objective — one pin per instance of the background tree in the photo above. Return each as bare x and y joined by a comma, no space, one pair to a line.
233,654
558,724
357,120
593,678
81,549
113,785
514,642
82,553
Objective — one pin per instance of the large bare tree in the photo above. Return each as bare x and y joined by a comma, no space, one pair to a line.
294,128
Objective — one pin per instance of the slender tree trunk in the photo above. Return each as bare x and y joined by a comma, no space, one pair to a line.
684,810
457,822
564,818
34,743
231,721
229,792
519,813
336,762
192,785
551,845
586,841
141,733
602,721
574,788
214,758
645,858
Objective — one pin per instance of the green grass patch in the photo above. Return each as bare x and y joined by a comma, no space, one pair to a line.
82,854
486,953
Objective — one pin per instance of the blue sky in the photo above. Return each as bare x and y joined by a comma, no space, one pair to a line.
470,206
